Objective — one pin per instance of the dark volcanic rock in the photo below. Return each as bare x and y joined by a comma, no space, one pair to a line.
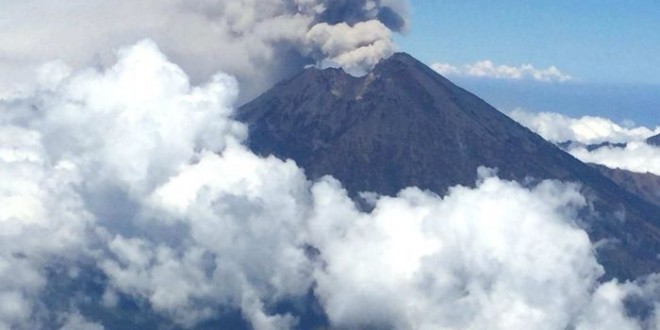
654,140
593,147
568,145
405,125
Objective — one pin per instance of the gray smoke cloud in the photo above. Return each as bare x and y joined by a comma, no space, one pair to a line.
260,42
139,172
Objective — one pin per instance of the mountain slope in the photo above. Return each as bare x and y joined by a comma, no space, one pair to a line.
644,185
405,125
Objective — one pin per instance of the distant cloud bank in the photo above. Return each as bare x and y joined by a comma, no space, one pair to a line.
556,127
488,69
636,155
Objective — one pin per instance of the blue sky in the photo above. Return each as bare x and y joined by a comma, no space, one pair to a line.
594,41
610,48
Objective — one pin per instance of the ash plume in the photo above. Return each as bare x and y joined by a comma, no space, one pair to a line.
260,42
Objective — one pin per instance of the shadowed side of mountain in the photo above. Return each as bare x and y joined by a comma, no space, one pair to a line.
405,125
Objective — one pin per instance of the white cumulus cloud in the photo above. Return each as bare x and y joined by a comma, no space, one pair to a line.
145,174
418,262
487,69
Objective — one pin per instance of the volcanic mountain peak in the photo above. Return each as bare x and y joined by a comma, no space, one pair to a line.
401,112
405,125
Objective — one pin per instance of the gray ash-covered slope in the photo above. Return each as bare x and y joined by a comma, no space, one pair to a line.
404,125
654,140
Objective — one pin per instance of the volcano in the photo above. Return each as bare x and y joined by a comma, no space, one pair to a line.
405,125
